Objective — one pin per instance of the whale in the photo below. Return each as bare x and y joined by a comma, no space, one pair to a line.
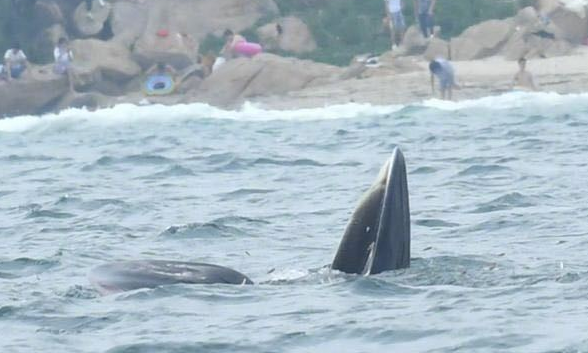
376,239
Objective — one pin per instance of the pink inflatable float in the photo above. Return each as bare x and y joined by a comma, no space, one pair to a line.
247,48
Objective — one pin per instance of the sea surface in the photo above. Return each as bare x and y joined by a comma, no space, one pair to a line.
499,205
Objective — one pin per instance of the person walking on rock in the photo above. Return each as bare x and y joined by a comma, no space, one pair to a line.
424,10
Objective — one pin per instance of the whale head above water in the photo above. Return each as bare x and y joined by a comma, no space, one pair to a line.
377,239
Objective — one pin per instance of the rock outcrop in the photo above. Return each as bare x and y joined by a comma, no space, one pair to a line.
185,24
414,43
535,35
32,94
264,75
437,48
90,25
47,13
46,40
482,40
128,21
106,65
288,34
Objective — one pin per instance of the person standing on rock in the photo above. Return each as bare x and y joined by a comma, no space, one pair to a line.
15,62
63,61
424,10
444,71
523,79
396,21
89,7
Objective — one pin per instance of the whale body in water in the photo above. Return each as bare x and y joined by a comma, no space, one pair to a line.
376,239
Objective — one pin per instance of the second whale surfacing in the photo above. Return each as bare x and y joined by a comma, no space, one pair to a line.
377,239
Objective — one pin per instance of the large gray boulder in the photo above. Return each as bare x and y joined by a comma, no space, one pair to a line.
529,45
128,21
482,40
90,26
36,93
264,75
437,48
414,43
104,66
47,13
573,25
185,23
295,36
46,40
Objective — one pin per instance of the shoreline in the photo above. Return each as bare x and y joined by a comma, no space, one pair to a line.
478,78
383,86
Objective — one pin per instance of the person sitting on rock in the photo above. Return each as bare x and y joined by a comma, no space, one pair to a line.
446,75
161,69
523,79
15,62
89,4
160,80
63,61
424,10
231,39
395,21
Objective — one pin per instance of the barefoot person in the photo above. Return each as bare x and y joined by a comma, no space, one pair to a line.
523,79
424,10
446,75
396,21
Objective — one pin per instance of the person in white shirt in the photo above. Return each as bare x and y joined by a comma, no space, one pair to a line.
396,21
15,62
63,61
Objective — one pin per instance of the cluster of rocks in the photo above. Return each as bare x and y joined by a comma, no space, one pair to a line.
548,30
119,41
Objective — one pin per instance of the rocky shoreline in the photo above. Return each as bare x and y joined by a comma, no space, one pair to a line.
110,70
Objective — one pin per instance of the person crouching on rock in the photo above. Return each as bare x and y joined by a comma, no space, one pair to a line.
63,61
231,39
446,75
15,62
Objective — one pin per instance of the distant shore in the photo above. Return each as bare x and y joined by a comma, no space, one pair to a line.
478,78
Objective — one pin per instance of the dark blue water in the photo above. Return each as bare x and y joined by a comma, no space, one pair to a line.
499,212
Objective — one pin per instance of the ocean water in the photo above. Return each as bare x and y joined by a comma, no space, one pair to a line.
499,204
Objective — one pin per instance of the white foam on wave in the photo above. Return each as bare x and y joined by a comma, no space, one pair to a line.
512,100
129,113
